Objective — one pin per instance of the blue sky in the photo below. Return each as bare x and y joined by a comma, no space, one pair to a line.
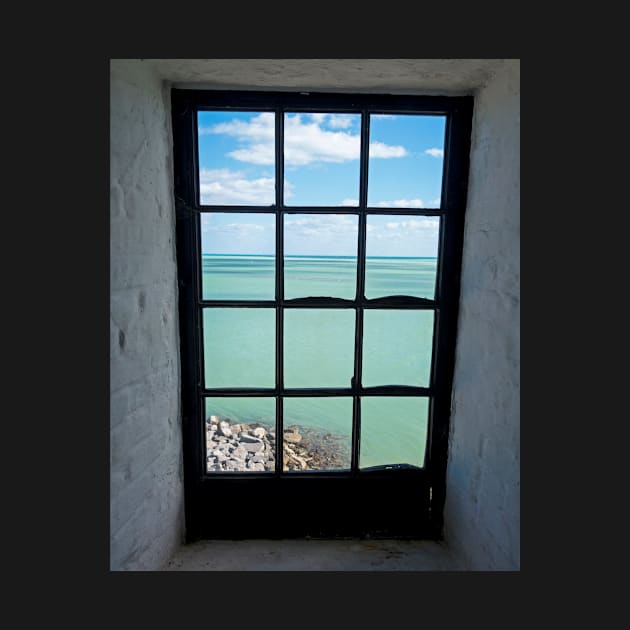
321,153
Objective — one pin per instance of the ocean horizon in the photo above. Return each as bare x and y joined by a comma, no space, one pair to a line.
313,256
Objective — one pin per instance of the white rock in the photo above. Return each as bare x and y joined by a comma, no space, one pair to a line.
224,429
252,447
293,437
239,453
259,432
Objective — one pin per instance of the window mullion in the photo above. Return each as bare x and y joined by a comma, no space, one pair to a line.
279,135
358,344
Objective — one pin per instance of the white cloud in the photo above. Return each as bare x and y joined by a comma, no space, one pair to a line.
255,154
350,202
257,128
435,152
435,203
240,230
224,186
317,118
400,203
322,222
427,227
307,143
341,121
380,150
401,236
305,140
311,234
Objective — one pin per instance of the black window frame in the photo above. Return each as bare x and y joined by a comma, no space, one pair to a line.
336,503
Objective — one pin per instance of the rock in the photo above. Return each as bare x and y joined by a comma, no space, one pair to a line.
240,452
258,458
255,466
236,429
292,437
245,437
272,436
214,419
252,447
259,432
224,429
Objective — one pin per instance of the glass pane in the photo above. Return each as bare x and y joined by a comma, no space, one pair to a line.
317,433
401,255
397,347
393,430
240,434
320,255
321,159
239,347
237,158
238,259
318,347
405,161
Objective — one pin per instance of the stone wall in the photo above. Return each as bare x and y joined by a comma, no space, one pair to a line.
482,513
146,493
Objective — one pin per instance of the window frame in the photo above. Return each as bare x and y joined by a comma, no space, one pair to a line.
392,482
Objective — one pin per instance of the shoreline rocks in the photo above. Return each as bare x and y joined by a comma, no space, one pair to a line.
246,447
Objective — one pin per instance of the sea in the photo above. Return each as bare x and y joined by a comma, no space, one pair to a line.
239,347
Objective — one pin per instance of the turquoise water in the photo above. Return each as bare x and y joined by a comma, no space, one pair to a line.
239,347
253,277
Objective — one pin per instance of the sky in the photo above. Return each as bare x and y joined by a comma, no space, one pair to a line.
321,155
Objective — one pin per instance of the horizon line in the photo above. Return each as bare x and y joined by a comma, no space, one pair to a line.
311,256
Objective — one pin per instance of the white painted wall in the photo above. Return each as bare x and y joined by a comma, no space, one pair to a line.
482,512
146,491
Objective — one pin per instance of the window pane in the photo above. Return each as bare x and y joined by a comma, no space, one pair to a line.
239,347
401,255
237,158
393,430
397,347
240,434
317,433
318,347
320,255
238,259
321,159
405,161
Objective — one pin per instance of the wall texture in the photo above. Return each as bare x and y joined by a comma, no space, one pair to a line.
146,492
482,513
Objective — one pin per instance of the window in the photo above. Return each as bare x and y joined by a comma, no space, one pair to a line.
319,244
